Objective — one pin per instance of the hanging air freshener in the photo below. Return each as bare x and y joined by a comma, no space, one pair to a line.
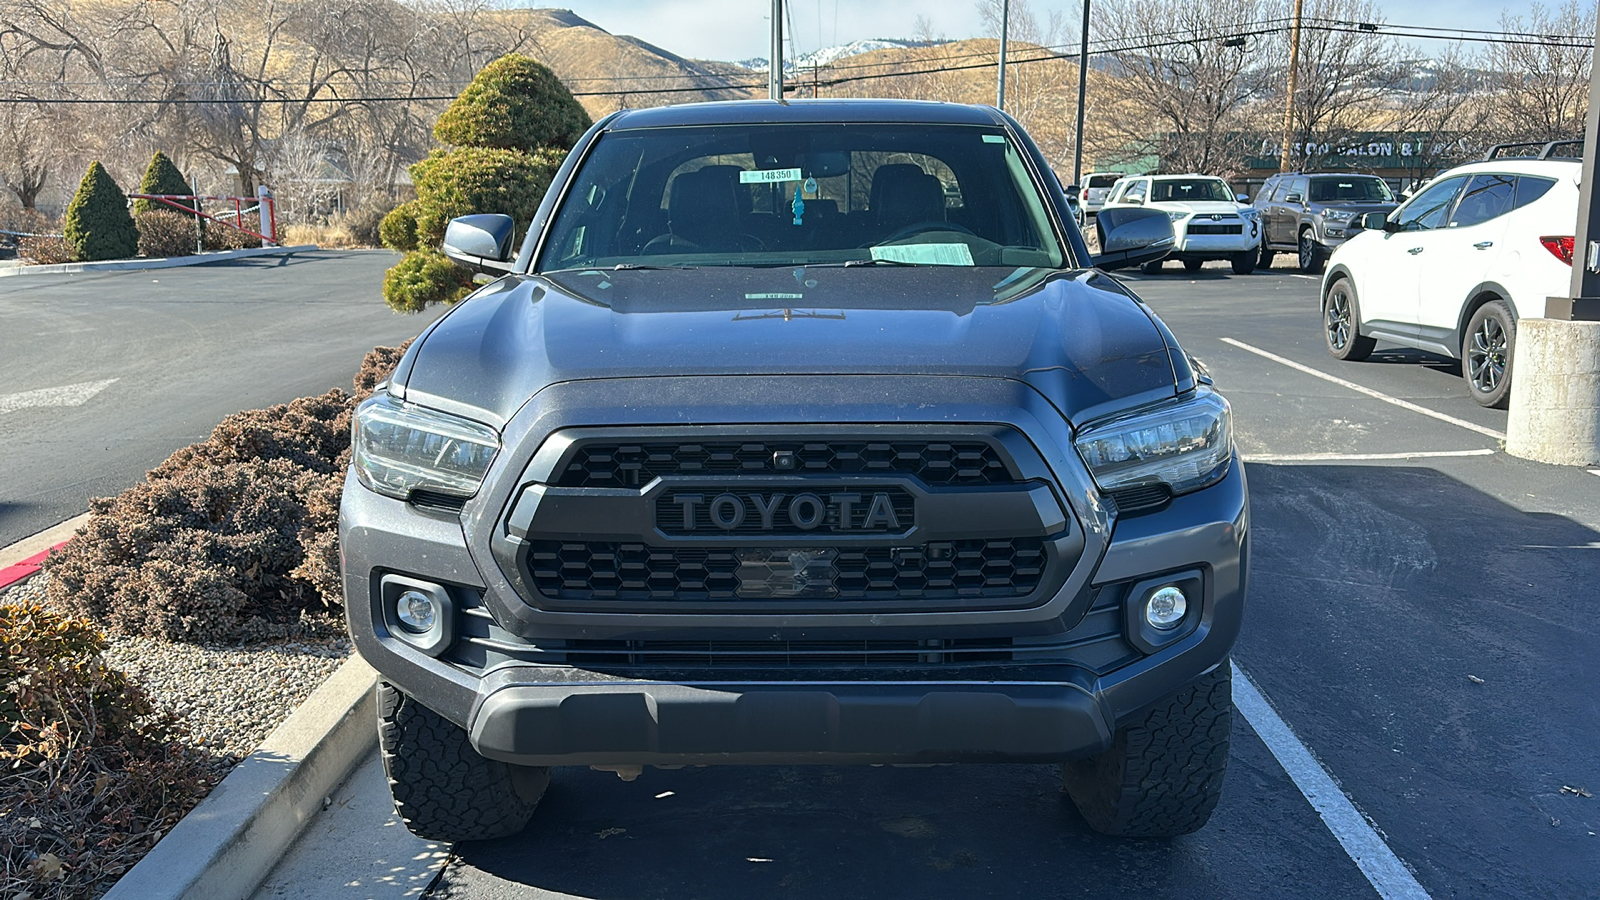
799,207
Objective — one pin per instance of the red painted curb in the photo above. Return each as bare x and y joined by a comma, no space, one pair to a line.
18,571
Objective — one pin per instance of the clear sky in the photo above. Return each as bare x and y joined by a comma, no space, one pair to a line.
737,29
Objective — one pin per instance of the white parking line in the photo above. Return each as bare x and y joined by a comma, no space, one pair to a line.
1341,457
66,395
1384,870
1362,389
1594,471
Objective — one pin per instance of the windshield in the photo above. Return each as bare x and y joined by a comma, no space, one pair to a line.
1359,190
1103,181
810,194
1186,189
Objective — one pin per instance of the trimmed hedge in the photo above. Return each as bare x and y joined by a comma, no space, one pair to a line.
513,103
424,277
97,225
230,539
469,180
513,125
398,230
162,177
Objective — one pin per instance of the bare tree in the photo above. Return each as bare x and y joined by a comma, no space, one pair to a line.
1542,86
1185,84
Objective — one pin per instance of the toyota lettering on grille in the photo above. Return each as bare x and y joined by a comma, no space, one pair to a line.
861,511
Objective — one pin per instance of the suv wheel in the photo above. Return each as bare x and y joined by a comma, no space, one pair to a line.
1312,254
1341,323
1163,776
1151,268
1244,262
1487,353
1264,261
444,790
1193,265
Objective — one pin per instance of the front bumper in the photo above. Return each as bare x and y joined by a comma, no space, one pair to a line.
1216,246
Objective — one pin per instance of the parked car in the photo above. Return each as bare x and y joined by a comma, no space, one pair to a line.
1456,267
1096,188
1309,214
1209,221
764,449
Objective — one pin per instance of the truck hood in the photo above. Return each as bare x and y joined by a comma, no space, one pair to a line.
1079,337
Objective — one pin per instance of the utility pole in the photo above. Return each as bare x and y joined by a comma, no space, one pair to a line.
1083,83
775,60
1294,76
1005,31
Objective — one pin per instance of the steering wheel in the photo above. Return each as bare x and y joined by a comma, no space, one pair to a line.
916,228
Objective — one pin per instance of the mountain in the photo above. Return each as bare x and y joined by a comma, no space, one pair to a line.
829,55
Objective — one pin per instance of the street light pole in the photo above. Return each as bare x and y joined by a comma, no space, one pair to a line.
775,60
1005,31
1083,83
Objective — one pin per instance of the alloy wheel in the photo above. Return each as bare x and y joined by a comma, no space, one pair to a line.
1337,319
1486,355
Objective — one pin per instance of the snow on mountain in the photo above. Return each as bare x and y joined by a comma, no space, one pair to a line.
829,55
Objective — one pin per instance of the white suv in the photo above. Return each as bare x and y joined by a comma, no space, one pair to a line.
1208,221
1453,269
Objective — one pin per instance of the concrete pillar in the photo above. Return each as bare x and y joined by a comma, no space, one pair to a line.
1555,393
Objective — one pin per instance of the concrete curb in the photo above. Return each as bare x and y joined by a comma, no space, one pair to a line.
23,553
228,844
171,262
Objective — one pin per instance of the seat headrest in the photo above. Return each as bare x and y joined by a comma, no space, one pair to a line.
906,195
702,208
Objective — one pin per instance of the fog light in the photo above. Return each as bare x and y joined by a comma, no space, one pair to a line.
1165,608
417,611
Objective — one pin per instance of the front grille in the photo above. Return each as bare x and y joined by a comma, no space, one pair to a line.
977,569
635,464
1195,228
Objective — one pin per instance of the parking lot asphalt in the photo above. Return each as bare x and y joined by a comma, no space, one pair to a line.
103,375
1420,630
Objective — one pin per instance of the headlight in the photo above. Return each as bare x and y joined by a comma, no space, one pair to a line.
1177,216
1338,215
1250,212
1186,445
399,447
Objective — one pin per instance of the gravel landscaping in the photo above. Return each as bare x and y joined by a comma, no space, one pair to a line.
230,697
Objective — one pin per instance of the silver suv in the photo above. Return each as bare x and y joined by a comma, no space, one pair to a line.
1310,214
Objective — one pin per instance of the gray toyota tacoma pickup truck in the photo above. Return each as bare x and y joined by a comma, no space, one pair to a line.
795,433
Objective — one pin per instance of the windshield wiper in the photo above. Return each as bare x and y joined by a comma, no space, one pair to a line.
879,262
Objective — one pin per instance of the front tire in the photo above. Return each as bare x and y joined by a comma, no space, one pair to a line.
1264,260
1341,323
1487,353
1312,254
443,789
1163,776
1244,262
1193,265
1151,268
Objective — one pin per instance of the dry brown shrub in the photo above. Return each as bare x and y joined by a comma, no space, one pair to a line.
164,233
94,775
230,539
44,251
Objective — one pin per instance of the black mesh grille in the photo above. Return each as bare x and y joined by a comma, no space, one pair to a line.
1142,498
616,464
981,569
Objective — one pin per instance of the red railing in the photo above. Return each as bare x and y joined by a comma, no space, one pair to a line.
264,205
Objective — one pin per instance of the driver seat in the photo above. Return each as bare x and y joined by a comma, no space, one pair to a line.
902,194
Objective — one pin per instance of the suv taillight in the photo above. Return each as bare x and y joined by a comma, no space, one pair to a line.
1560,247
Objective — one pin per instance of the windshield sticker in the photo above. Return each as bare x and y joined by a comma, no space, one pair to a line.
768,176
926,254
994,139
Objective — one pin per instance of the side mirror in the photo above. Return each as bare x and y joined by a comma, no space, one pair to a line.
1073,190
1373,220
1294,198
481,243
1242,198
1132,237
